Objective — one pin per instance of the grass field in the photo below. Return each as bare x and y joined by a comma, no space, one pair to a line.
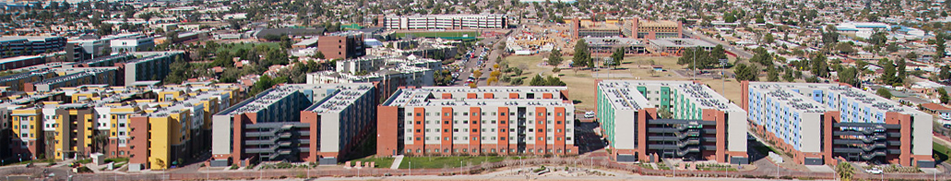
472,34
941,151
449,162
381,162
581,83
246,46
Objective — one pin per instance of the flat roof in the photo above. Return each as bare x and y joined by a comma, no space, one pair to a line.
427,96
681,42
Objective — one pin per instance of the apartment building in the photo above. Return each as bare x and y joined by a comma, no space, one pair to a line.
21,61
475,121
12,46
15,82
152,66
296,122
388,73
155,126
132,44
342,45
699,123
645,29
91,46
820,123
444,21
74,77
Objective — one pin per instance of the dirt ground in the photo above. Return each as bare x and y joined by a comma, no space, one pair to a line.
582,86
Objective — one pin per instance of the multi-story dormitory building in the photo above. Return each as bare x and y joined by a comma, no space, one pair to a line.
12,46
454,21
389,73
474,121
822,123
702,124
119,69
322,123
154,126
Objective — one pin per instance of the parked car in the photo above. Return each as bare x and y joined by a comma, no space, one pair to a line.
874,171
589,114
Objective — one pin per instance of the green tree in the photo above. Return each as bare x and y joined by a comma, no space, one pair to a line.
844,171
746,72
945,73
554,59
943,95
902,73
884,93
772,74
537,81
819,66
849,76
582,56
617,57
939,46
768,39
889,72
788,76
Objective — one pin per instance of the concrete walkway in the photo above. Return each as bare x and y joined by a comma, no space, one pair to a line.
396,163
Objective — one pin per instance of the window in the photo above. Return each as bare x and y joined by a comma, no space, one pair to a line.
447,130
455,138
502,122
465,113
475,130
446,114
419,122
502,130
502,138
557,122
419,114
417,130
445,122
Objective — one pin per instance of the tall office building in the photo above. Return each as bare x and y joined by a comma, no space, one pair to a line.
473,121
819,123
650,120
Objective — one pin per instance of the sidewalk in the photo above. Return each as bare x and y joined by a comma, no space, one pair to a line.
396,163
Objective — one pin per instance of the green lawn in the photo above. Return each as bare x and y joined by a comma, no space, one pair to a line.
941,151
246,46
472,34
449,162
383,162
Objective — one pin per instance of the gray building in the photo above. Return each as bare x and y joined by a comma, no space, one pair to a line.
297,122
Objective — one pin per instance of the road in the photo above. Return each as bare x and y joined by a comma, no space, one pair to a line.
740,53
473,63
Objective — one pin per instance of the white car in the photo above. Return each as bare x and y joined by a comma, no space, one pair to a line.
589,114
874,171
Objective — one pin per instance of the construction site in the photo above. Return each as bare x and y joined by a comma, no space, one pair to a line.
636,37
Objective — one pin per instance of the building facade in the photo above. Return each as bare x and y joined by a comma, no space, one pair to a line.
297,123
460,21
12,46
699,123
342,45
644,29
853,125
475,121
154,126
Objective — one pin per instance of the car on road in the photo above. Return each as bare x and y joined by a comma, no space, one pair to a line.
874,171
